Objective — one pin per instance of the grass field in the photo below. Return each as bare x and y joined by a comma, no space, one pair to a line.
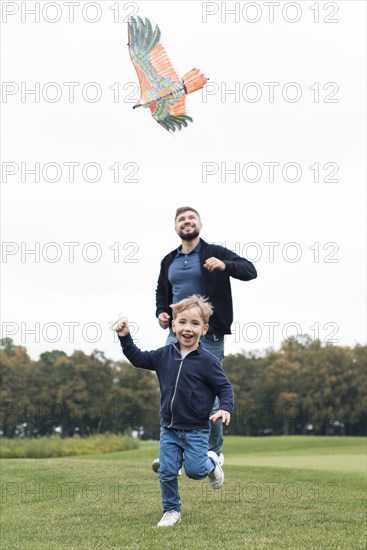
280,493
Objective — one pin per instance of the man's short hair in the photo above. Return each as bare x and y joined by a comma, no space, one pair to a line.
206,309
185,209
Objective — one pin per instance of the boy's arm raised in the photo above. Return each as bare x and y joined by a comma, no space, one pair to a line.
138,358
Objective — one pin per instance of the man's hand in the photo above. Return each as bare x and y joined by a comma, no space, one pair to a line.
163,320
213,264
122,329
225,415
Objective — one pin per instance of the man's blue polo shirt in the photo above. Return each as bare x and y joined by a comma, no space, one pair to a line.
184,274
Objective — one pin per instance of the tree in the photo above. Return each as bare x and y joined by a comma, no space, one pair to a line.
16,368
277,391
243,372
134,401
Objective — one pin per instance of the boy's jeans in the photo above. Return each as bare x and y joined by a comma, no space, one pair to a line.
177,447
216,347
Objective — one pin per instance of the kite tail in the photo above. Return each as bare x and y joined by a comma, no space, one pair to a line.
193,80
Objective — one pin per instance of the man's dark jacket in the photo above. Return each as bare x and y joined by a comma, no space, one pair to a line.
217,286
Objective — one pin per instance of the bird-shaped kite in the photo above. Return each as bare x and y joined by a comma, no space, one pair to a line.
160,87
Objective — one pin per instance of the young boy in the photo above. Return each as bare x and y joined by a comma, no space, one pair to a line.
189,378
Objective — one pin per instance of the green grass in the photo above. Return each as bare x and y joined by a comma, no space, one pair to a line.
275,497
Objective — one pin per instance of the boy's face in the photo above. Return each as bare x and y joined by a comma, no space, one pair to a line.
189,326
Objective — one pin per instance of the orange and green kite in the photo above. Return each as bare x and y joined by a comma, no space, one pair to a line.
161,88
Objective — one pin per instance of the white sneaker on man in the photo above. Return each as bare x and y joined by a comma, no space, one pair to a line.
216,477
155,466
169,518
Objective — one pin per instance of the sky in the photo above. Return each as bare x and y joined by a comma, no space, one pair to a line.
274,162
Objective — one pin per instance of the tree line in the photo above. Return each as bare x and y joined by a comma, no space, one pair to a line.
304,387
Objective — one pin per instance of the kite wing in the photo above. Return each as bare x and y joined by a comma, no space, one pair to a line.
161,88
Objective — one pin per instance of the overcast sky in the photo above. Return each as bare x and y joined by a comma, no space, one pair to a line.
274,162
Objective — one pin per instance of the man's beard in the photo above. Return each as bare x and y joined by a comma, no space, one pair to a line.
189,236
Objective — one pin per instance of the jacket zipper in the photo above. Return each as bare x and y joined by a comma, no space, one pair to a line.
174,391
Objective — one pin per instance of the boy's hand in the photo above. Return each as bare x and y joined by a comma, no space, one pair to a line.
113,324
122,328
225,415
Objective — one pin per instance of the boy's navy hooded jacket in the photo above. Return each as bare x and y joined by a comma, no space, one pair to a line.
188,386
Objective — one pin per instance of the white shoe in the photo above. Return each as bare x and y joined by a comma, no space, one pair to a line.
169,518
216,477
221,459
155,466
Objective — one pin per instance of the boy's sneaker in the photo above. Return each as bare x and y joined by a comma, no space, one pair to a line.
221,459
155,466
169,518
216,477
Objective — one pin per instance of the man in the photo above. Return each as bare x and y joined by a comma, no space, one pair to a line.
197,267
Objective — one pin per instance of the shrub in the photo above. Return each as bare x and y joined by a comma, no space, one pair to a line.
54,446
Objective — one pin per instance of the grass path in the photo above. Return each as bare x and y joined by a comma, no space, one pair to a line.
280,493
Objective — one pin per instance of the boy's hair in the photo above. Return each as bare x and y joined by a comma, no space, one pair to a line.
206,309
183,209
